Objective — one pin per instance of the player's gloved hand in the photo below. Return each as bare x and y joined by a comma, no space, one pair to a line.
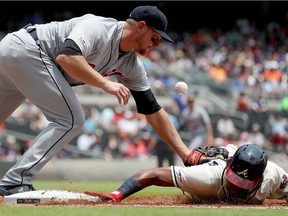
202,155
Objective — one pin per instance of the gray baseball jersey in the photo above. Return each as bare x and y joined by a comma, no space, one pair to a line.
99,40
194,122
29,71
205,181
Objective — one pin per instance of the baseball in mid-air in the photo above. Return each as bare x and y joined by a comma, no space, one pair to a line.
181,88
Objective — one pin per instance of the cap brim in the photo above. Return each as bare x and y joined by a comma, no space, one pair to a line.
240,182
163,35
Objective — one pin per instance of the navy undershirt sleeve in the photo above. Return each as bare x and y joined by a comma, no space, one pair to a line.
69,47
146,102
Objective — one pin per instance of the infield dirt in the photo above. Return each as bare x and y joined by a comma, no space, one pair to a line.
165,201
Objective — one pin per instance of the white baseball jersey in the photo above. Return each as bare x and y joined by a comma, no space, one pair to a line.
207,181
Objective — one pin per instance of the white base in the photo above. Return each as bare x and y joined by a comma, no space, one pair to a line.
47,196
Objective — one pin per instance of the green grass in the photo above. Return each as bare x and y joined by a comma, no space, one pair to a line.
104,211
123,210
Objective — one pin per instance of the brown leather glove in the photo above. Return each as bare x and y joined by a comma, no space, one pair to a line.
202,155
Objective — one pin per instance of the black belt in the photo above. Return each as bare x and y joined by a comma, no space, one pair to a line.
33,33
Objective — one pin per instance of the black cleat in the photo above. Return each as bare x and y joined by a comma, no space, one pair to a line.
13,189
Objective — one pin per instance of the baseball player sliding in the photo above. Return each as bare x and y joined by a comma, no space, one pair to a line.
226,175
41,63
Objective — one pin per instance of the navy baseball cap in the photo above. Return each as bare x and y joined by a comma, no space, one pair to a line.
153,18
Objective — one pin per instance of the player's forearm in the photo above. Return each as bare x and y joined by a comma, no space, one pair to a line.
78,68
163,126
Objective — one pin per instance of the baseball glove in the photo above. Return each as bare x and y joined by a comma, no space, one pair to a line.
202,155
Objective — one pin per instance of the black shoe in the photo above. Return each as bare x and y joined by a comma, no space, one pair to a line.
13,189
3,191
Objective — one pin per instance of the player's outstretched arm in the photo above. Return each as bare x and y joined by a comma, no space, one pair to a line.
164,127
156,176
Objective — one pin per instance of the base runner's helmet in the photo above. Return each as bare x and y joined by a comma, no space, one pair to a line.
247,166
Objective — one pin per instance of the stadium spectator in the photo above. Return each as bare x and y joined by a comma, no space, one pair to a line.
278,127
196,123
225,126
243,102
257,137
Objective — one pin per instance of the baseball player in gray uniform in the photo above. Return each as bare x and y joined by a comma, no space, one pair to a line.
244,177
41,63
196,123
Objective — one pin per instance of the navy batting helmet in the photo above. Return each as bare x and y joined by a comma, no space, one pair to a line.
247,166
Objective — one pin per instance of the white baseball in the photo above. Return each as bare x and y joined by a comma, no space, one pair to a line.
181,88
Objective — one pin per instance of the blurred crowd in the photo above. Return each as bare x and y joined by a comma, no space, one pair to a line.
250,61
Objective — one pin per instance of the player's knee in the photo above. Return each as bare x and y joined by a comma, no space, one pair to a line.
74,123
79,121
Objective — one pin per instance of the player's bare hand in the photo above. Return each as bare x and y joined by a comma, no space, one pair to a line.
119,90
